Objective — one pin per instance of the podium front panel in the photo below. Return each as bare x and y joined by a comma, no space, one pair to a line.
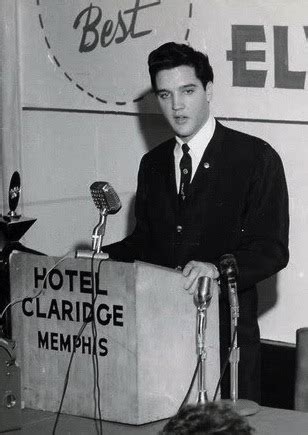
145,337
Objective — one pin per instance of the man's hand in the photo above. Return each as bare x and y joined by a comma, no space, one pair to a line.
194,270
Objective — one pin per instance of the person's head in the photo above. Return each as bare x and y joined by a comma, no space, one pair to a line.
172,55
182,79
213,418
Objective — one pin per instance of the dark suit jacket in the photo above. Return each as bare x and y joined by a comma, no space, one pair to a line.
237,203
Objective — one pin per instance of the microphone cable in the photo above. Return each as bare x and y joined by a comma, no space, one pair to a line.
67,376
95,362
31,298
191,384
225,365
184,402
96,388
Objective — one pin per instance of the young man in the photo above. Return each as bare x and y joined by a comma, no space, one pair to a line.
206,192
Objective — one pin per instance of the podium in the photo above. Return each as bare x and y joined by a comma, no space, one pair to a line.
145,345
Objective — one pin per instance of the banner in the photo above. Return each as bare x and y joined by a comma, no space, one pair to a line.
259,51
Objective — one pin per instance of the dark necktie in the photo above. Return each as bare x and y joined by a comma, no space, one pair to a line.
185,167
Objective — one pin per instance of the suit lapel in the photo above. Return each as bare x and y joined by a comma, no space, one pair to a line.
165,167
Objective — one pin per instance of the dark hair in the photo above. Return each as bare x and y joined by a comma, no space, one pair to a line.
213,418
171,55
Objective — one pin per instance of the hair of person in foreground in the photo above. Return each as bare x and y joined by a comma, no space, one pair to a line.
212,418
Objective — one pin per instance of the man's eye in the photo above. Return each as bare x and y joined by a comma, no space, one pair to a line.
163,95
188,91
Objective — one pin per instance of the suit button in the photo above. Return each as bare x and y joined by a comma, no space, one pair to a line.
179,228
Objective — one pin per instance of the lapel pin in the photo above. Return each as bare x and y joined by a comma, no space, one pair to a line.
206,165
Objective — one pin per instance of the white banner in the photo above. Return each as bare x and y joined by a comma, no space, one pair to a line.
259,51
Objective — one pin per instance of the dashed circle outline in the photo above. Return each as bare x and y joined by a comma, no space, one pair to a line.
81,88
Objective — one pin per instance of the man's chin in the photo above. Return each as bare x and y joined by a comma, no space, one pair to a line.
183,134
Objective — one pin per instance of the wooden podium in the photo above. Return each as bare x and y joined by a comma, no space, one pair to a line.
145,343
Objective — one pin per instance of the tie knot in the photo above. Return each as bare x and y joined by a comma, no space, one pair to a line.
185,148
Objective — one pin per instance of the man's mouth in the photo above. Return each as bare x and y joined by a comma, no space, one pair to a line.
180,119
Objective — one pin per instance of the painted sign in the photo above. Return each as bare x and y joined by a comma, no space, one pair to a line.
259,53
260,58
102,46
61,307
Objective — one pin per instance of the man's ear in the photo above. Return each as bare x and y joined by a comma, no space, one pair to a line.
209,91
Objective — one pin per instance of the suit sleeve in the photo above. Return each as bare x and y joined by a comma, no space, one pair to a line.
133,247
263,248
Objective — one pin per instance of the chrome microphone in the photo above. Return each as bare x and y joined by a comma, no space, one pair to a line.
105,197
203,293
202,298
107,201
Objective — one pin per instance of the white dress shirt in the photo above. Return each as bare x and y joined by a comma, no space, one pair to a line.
197,147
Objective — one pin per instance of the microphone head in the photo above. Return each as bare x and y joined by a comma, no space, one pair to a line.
105,198
203,293
14,192
228,266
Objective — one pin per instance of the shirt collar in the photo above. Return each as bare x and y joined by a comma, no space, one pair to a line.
201,139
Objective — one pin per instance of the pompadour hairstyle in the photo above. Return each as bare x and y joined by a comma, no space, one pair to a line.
172,55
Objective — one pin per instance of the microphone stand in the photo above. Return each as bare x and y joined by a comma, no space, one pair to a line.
97,240
235,351
242,406
99,231
202,298
202,391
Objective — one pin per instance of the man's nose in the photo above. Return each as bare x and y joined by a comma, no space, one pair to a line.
177,101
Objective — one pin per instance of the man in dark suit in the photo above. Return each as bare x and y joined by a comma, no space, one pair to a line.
207,192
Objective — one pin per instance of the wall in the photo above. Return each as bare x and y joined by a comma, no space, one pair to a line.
88,115
9,98
260,57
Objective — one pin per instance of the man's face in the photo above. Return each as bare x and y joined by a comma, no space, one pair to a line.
183,100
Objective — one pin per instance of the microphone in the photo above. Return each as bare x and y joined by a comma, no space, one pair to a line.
105,197
12,225
14,194
229,273
228,266
202,299
107,201
203,293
